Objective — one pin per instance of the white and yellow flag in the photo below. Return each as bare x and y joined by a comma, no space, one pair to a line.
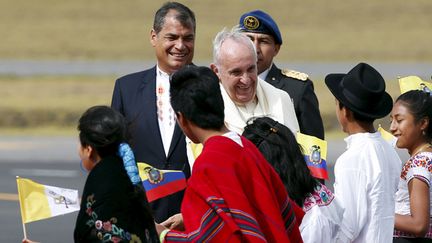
414,83
39,201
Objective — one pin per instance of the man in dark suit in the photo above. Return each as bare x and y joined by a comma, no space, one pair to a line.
143,98
265,34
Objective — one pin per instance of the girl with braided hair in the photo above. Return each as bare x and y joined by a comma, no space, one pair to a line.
114,207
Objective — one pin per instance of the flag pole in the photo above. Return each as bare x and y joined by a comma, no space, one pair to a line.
24,230
19,199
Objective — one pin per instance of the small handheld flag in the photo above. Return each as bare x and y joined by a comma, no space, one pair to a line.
387,136
39,201
414,83
160,183
315,154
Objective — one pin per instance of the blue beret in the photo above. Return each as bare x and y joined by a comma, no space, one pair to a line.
259,22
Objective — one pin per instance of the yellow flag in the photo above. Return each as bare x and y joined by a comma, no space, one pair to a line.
387,136
196,149
414,83
39,201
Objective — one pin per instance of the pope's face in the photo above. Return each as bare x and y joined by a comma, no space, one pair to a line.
174,44
237,71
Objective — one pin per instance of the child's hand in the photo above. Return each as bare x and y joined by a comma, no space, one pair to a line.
174,222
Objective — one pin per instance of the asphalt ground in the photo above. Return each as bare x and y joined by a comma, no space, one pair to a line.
54,161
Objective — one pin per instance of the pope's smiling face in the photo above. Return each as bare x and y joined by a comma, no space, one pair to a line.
237,71
174,44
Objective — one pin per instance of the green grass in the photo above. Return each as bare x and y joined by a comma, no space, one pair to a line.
333,30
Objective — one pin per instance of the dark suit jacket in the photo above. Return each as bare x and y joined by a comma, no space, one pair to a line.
135,97
305,101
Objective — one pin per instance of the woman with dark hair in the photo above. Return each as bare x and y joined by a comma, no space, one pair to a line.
411,124
278,144
114,207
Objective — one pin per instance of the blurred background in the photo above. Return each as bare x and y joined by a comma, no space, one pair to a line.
58,57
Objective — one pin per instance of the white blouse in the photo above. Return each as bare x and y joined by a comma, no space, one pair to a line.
418,166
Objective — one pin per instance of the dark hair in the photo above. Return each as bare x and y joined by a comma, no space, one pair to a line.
196,94
419,103
279,146
357,116
184,15
103,128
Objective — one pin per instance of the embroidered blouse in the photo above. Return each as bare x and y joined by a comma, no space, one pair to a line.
418,166
323,214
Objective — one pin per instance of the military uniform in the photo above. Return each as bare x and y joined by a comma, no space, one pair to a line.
301,90
297,84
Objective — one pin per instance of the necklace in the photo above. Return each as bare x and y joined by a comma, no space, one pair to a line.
421,148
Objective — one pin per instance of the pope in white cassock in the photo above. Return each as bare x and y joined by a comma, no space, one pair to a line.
245,95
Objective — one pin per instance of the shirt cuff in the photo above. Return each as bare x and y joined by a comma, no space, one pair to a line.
163,234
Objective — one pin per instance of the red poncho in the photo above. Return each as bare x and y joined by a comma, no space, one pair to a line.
234,195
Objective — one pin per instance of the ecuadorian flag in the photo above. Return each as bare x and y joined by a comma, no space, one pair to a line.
414,83
160,183
39,201
315,154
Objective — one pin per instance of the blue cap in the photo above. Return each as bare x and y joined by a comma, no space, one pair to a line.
259,22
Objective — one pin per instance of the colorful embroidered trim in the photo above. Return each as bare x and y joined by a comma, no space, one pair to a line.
107,231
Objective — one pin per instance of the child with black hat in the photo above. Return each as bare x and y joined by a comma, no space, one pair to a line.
366,174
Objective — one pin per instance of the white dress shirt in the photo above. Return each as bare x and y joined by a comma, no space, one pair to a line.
366,179
166,116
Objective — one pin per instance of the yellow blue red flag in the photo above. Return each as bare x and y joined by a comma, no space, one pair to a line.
160,183
414,83
39,201
315,154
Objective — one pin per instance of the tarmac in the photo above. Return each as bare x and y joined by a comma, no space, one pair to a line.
39,149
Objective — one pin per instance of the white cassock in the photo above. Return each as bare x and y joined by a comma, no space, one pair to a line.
270,101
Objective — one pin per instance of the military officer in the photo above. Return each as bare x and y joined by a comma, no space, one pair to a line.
265,34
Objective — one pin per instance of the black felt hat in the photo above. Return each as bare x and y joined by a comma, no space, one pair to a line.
362,90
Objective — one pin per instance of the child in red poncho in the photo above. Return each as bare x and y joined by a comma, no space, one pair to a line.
233,195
